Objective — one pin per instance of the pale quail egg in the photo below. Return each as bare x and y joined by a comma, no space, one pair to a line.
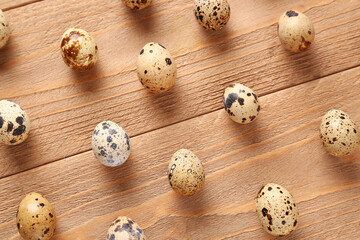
137,4
35,218
212,14
277,210
14,123
339,133
110,144
4,30
79,49
186,173
156,68
124,228
296,31
241,103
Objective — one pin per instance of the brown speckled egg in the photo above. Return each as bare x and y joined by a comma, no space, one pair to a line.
137,4
123,228
156,68
277,210
212,14
4,30
110,144
241,103
186,172
14,123
339,133
35,218
296,31
79,49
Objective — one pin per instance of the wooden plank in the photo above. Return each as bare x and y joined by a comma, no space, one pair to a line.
281,146
65,106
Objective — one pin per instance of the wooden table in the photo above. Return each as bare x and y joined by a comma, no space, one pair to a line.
281,146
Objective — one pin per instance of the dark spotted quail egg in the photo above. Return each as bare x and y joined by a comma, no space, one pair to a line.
79,49
123,228
296,31
156,68
14,123
277,210
4,30
110,144
186,172
241,103
212,14
339,133
35,218
137,4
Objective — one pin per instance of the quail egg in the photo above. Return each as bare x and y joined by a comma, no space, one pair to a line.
156,68
35,218
296,31
14,123
4,30
79,49
339,133
110,144
123,228
277,210
212,14
186,173
137,4
241,103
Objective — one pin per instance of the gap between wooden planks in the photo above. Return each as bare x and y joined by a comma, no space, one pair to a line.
65,107
281,146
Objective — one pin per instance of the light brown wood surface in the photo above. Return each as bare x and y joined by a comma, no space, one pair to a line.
281,146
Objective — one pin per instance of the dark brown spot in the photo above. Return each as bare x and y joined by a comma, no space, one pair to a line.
168,61
292,13
264,212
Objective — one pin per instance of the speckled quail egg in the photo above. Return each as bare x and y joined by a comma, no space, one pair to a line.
241,103
212,14
79,49
35,218
277,210
4,30
296,31
339,133
14,123
156,68
137,4
110,144
123,228
186,173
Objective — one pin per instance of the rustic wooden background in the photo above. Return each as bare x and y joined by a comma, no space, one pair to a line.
281,146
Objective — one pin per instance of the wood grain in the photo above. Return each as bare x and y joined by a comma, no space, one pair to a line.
281,146
65,106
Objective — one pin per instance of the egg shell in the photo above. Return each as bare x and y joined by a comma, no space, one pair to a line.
78,49
277,210
124,228
14,123
212,14
137,4
110,144
156,68
339,133
241,103
186,173
35,218
296,31
4,29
